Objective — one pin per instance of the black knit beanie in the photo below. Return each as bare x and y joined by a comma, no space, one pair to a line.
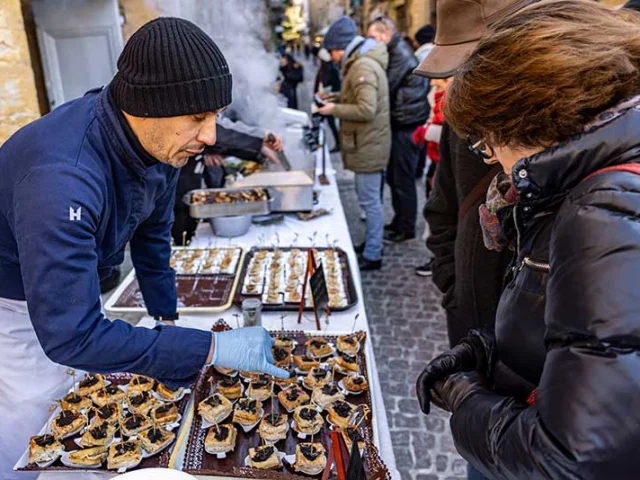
170,67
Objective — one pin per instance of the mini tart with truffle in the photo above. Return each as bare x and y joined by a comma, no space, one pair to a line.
44,449
260,387
274,427
339,413
91,383
108,413
292,398
124,455
169,394
326,395
67,423
73,401
264,457
349,344
141,402
345,363
317,377
230,387
88,457
247,411
215,408
134,423
311,458
108,394
355,383
165,413
140,383
287,382
319,347
308,420
99,434
305,362
284,342
155,439
282,357
220,439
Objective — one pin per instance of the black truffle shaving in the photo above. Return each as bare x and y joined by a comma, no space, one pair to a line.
292,394
307,358
330,389
89,381
348,358
342,408
221,433
279,354
317,344
229,381
247,405
125,447
73,398
310,452
139,399
275,419
358,380
140,380
66,418
133,421
106,411
263,453
44,440
213,400
99,432
286,339
112,389
164,408
155,435
319,374
349,340
308,414
261,382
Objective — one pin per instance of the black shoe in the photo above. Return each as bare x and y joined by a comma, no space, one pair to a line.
425,270
367,265
390,228
359,248
397,237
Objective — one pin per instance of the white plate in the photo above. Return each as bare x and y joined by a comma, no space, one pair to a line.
47,464
67,462
185,391
350,392
301,435
248,428
280,455
273,442
146,454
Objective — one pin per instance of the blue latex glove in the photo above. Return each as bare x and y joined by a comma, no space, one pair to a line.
246,349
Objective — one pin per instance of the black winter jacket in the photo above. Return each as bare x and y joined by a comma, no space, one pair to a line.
469,275
407,92
568,322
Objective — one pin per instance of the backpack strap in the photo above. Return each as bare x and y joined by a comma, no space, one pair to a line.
625,167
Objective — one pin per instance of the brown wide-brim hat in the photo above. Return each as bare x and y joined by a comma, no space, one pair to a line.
461,25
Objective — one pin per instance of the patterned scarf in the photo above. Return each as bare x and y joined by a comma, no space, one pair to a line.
501,193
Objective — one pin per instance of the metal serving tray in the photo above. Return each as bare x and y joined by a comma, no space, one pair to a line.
227,209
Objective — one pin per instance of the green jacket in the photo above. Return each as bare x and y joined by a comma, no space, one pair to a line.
365,128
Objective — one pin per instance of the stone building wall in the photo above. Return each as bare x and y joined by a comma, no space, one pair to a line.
18,96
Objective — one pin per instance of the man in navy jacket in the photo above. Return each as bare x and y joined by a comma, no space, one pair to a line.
76,186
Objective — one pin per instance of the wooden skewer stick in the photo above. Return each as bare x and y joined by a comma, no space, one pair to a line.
353,329
237,317
333,370
184,238
72,373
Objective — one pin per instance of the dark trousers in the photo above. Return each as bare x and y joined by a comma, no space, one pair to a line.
401,177
331,120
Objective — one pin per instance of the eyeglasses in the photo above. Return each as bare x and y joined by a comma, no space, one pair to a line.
479,147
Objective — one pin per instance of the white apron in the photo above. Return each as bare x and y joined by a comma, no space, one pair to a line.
29,382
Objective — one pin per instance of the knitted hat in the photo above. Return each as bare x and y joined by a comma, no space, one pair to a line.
340,34
168,68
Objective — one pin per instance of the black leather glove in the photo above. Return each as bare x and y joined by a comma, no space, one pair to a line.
474,352
450,393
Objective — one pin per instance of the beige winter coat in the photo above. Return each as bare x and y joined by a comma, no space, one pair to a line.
365,129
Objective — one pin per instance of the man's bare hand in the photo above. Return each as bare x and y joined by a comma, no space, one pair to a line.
327,109
213,160
273,141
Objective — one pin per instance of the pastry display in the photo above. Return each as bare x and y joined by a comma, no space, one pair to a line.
155,439
230,387
91,383
308,420
317,377
169,394
305,362
73,401
326,395
134,423
205,261
165,413
140,402
108,413
124,455
108,394
260,387
44,449
220,439
99,434
274,427
67,423
311,458
215,408
208,197
355,383
319,347
264,457
292,398
88,457
247,412
139,383
349,344
339,413
281,356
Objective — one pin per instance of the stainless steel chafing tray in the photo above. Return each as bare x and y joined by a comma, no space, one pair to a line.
290,191
210,210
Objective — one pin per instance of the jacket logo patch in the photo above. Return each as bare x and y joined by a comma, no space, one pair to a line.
75,215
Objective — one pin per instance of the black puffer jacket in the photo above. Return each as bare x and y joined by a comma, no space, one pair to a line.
569,320
407,92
